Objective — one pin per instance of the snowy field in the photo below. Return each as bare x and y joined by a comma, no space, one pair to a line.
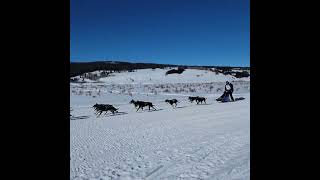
208,141
157,76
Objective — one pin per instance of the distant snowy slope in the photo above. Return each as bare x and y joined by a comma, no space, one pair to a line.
157,76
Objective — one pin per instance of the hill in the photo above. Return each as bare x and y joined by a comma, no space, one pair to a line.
79,68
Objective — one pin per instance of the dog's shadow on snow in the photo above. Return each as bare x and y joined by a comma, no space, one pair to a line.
115,114
157,110
146,110
73,118
203,104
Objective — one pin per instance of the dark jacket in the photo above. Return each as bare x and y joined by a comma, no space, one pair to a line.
231,86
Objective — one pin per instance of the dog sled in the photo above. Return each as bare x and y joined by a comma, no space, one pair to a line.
226,98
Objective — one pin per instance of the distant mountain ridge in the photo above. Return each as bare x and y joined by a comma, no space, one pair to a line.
78,68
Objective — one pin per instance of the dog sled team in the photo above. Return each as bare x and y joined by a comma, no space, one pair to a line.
225,97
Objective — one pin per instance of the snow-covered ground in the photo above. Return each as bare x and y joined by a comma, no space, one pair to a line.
209,141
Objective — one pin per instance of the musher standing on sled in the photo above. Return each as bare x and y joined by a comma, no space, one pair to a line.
228,90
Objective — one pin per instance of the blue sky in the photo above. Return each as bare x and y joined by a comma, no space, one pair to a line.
190,32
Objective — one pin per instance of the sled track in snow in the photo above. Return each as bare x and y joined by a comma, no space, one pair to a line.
200,157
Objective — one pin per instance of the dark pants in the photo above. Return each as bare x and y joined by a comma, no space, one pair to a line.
230,93
226,93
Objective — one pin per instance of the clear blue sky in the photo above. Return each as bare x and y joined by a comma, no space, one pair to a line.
190,32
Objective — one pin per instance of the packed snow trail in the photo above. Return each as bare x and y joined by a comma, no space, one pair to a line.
188,142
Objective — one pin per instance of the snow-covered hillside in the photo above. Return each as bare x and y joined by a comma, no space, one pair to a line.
157,76
205,141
